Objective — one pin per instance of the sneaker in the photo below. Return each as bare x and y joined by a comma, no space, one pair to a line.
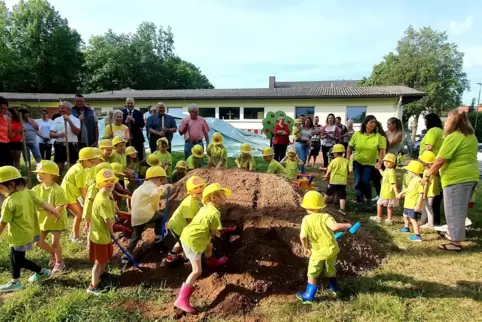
415,238
426,226
375,199
96,290
171,258
11,287
52,261
158,239
78,240
389,222
187,263
404,230
376,219
342,211
40,277
58,268
124,259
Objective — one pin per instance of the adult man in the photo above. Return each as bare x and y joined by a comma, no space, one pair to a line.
135,121
89,128
5,149
151,110
57,131
160,125
193,127
43,138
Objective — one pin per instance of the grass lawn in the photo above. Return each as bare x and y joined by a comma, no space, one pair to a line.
416,283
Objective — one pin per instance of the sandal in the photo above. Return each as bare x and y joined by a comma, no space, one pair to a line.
451,247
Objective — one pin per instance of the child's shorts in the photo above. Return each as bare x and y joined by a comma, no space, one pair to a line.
336,189
100,253
190,253
390,203
316,267
410,213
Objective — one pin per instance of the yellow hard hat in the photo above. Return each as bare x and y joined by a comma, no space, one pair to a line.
313,200
100,166
165,140
197,151
98,153
338,148
86,154
427,157
152,160
105,144
266,152
130,150
390,157
194,182
48,167
105,175
291,151
118,139
415,167
181,164
155,172
298,121
217,138
245,148
8,173
117,168
212,188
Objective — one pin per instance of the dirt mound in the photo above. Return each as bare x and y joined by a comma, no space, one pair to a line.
267,257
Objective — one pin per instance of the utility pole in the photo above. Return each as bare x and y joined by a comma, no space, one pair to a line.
477,108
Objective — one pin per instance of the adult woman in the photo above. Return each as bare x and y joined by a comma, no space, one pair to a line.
394,135
457,162
5,127
376,176
30,129
114,127
281,138
330,135
43,139
315,140
369,146
302,145
15,137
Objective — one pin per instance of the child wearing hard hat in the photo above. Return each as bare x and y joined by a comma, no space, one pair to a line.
432,190
245,160
19,215
101,228
291,162
217,152
180,171
150,161
99,157
338,171
49,191
413,200
74,185
134,165
184,214
388,190
196,240
195,160
119,154
165,158
106,147
273,166
319,244
118,170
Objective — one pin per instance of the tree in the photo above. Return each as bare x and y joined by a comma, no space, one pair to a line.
270,120
424,60
472,105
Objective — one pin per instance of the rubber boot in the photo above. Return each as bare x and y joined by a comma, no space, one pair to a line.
214,262
182,300
309,295
333,285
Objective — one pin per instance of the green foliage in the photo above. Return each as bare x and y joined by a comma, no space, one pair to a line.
270,120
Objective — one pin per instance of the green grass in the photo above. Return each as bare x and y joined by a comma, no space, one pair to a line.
416,283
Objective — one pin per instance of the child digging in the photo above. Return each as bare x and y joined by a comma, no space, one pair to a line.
273,166
150,161
292,163
217,152
431,191
165,158
106,147
195,160
119,154
196,240
337,171
134,165
245,160
19,215
180,171
413,200
388,190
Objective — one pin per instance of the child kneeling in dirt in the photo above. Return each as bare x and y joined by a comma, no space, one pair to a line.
319,244
180,171
196,240
337,171
274,166
245,160
145,207
184,214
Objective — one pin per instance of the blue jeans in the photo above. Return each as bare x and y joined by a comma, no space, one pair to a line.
34,149
188,146
303,151
363,176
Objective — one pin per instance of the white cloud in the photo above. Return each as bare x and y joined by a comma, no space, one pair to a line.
459,28
473,56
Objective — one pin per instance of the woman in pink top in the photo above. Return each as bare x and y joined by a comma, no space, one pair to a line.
194,128
5,152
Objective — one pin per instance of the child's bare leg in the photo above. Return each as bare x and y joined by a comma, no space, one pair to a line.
177,248
342,204
196,271
406,221
390,213
209,251
415,226
312,280
379,211
43,244
76,210
96,272
56,246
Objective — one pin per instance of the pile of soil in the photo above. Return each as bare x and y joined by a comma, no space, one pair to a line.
267,258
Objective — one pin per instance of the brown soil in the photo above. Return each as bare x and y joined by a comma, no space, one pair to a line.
266,260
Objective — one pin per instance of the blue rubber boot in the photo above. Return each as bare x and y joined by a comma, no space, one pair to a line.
309,295
333,285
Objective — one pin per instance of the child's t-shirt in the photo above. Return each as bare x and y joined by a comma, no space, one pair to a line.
74,179
133,165
247,164
118,158
276,168
92,191
193,163
434,185
315,227
176,176
103,209
54,196
217,153
164,158
388,180
145,202
338,168
291,168
414,189
197,234
188,208
405,181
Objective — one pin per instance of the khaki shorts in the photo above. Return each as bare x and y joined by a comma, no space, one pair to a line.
316,267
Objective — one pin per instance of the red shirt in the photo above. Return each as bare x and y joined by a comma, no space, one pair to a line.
15,127
281,139
3,129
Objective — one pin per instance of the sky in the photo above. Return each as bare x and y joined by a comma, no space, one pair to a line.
240,43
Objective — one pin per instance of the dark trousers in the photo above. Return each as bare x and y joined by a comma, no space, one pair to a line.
279,151
139,146
138,230
18,261
437,201
377,180
6,154
363,177
45,150
324,151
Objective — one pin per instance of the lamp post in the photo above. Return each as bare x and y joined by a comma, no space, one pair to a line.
477,108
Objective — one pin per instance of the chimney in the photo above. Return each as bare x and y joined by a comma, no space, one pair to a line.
272,82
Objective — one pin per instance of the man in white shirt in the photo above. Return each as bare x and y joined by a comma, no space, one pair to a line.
57,131
43,137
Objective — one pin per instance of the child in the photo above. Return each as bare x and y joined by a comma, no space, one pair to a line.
92,191
388,190
117,169
184,214
245,160
134,165
180,171
150,161
217,152
165,158
413,200
118,156
195,160
106,147
273,166
431,190
337,171
101,228
49,191
291,163
19,214
145,207
319,244
196,240
99,157
74,185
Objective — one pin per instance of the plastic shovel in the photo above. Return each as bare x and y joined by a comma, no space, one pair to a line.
352,231
129,256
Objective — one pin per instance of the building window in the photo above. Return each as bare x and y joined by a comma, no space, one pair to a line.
207,111
229,113
305,110
356,113
254,113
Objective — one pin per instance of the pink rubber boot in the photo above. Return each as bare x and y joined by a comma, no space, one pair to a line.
214,262
182,301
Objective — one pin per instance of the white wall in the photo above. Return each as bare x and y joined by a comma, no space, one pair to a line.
383,113
323,111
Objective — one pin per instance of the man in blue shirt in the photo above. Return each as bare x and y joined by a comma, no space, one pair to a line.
160,125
